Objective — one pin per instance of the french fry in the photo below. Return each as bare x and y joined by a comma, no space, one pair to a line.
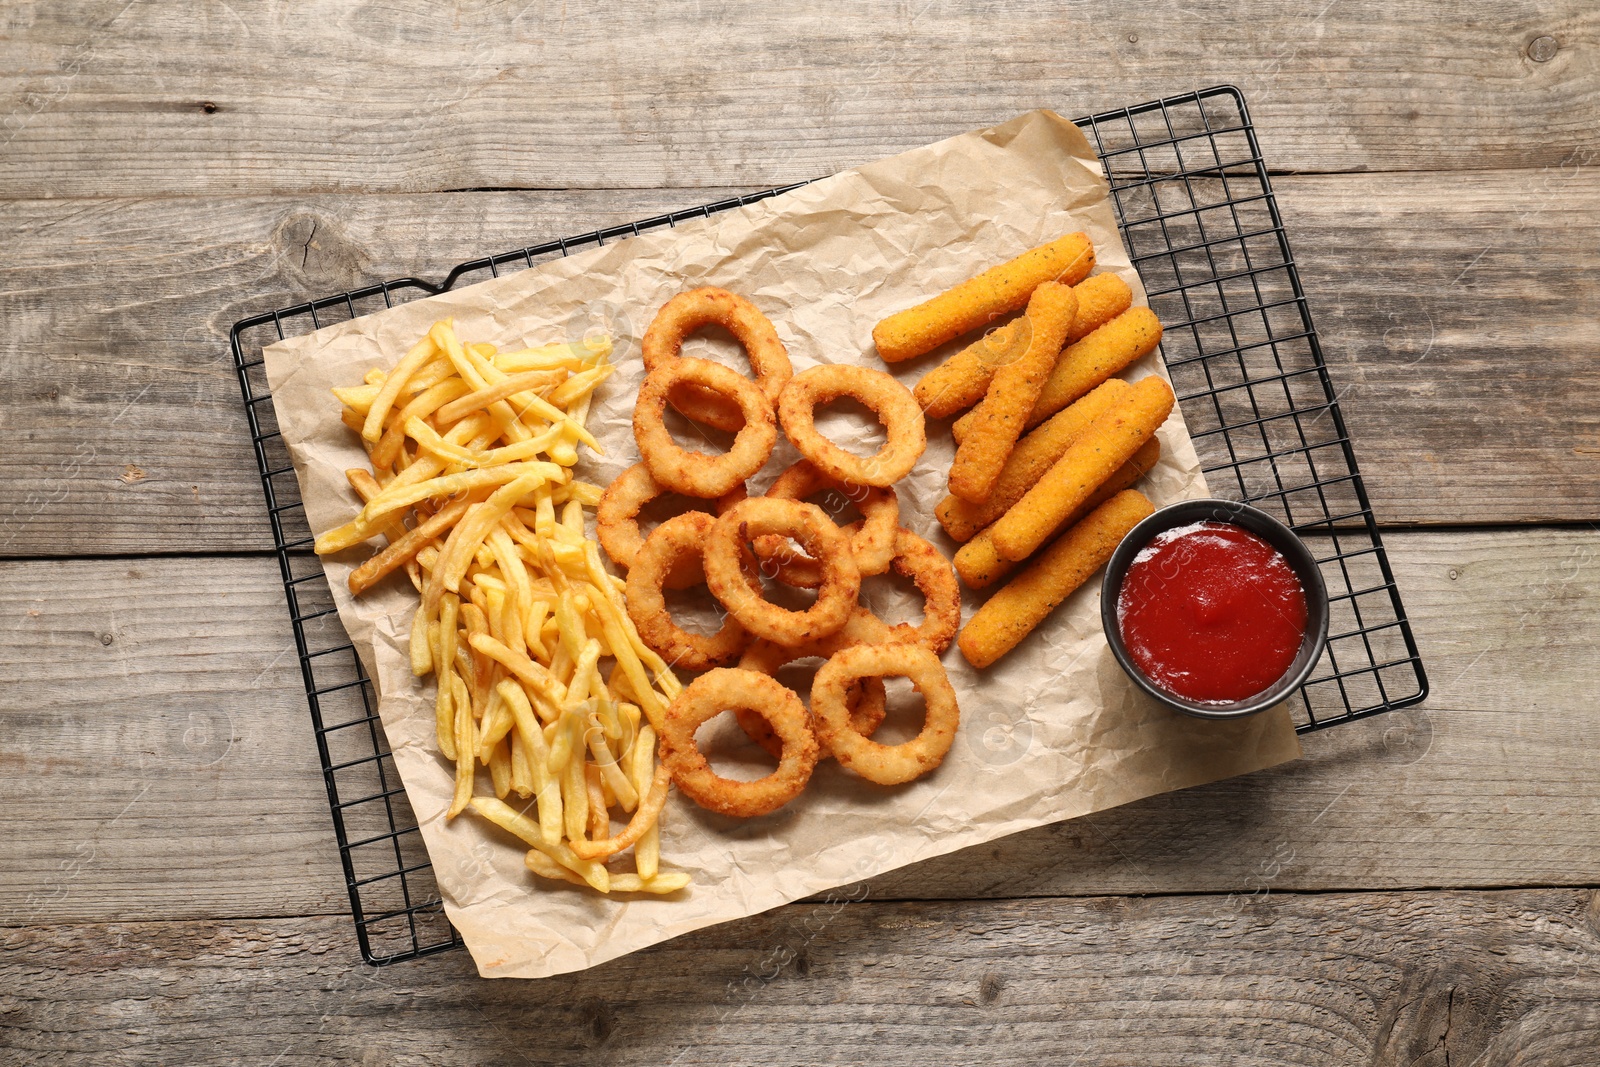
545,867
545,786
466,738
358,398
500,770
372,426
395,556
482,398
521,773
571,357
482,374
647,850
446,659
611,770
420,406
1023,603
540,681
473,449
580,386
1088,462
644,817
396,497
575,798
599,820
508,818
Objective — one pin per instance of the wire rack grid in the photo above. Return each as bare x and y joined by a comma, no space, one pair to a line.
1197,213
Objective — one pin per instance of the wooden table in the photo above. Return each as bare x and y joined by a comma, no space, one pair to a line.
1419,889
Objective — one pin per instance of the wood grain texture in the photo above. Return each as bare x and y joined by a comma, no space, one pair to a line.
1464,354
157,755
406,97
169,887
1439,307
128,433
171,773
1490,979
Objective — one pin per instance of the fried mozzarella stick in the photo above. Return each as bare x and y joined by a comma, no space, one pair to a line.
998,420
1034,455
978,301
960,381
1110,349
1083,467
1024,602
980,566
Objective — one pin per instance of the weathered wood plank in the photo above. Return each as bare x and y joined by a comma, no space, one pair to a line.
1454,311
546,95
171,773
1320,981
1440,308
128,433
156,746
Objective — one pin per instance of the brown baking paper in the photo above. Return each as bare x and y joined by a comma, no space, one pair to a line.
1051,732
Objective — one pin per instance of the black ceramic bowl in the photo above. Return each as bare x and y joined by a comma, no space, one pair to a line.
1269,530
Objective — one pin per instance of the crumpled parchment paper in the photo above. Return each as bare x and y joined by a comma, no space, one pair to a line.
1052,732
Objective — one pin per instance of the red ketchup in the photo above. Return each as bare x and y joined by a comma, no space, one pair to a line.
1211,613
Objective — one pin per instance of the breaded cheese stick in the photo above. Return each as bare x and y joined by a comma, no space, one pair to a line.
960,381
1100,299
978,301
1110,349
998,420
1086,464
1127,338
1033,456
1024,602
980,566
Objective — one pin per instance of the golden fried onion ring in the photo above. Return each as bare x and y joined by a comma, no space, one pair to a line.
867,700
617,522
698,473
732,690
679,538
687,312
811,527
892,402
885,764
871,541
935,578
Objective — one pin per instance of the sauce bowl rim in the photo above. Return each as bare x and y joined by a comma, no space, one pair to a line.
1269,529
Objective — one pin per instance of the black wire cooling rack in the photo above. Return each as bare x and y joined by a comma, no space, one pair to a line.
1201,225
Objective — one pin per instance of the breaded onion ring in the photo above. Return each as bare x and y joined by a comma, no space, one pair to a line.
935,578
687,312
723,690
679,538
698,473
811,527
866,699
885,764
616,522
892,402
871,541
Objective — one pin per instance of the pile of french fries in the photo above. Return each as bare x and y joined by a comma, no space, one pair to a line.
541,677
